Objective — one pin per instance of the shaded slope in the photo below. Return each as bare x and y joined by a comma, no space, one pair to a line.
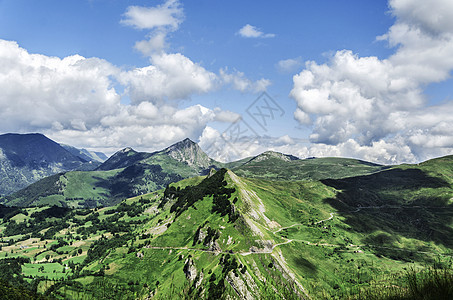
406,202
26,158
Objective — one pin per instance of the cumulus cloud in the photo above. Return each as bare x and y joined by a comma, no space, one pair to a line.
169,77
169,14
160,20
392,151
249,31
224,149
374,107
40,91
289,65
76,100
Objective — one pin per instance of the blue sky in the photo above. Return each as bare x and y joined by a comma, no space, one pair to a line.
364,98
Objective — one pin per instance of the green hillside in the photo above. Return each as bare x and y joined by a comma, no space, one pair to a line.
278,167
222,235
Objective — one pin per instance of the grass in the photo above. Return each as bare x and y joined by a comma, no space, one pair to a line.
306,169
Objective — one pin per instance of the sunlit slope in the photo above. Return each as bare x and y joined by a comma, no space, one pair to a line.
277,168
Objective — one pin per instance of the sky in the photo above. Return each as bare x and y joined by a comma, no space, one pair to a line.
353,78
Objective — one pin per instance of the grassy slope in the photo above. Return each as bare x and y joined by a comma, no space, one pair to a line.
304,169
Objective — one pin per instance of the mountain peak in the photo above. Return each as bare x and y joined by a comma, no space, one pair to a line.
274,154
126,150
121,159
184,144
26,158
189,152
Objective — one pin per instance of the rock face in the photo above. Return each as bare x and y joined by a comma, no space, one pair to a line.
190,270
189,152
26,158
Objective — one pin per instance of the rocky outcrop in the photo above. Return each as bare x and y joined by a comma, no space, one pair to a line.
190,270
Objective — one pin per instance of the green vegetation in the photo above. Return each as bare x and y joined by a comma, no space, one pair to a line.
276,168
429,283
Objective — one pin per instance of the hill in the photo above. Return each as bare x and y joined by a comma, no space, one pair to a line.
223,235
26,158
277,166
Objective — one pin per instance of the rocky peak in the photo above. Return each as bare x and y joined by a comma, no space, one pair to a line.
121,159
126,150
189,152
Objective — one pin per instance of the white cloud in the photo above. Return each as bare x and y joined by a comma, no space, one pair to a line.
289,65
169,14
154,44
160,20
40,91
249,31
240,82
226,115
366,105
170,77
384,152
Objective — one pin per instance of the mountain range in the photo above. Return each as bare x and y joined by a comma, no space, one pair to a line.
129,173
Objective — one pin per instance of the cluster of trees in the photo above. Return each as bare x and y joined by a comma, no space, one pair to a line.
211,186
100,248
12,283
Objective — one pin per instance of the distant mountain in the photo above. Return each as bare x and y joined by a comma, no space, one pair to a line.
273,155
85,154
122,159
190,153
125,174
26,158
185,151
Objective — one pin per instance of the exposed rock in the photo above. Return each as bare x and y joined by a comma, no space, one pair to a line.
244,286
190,270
